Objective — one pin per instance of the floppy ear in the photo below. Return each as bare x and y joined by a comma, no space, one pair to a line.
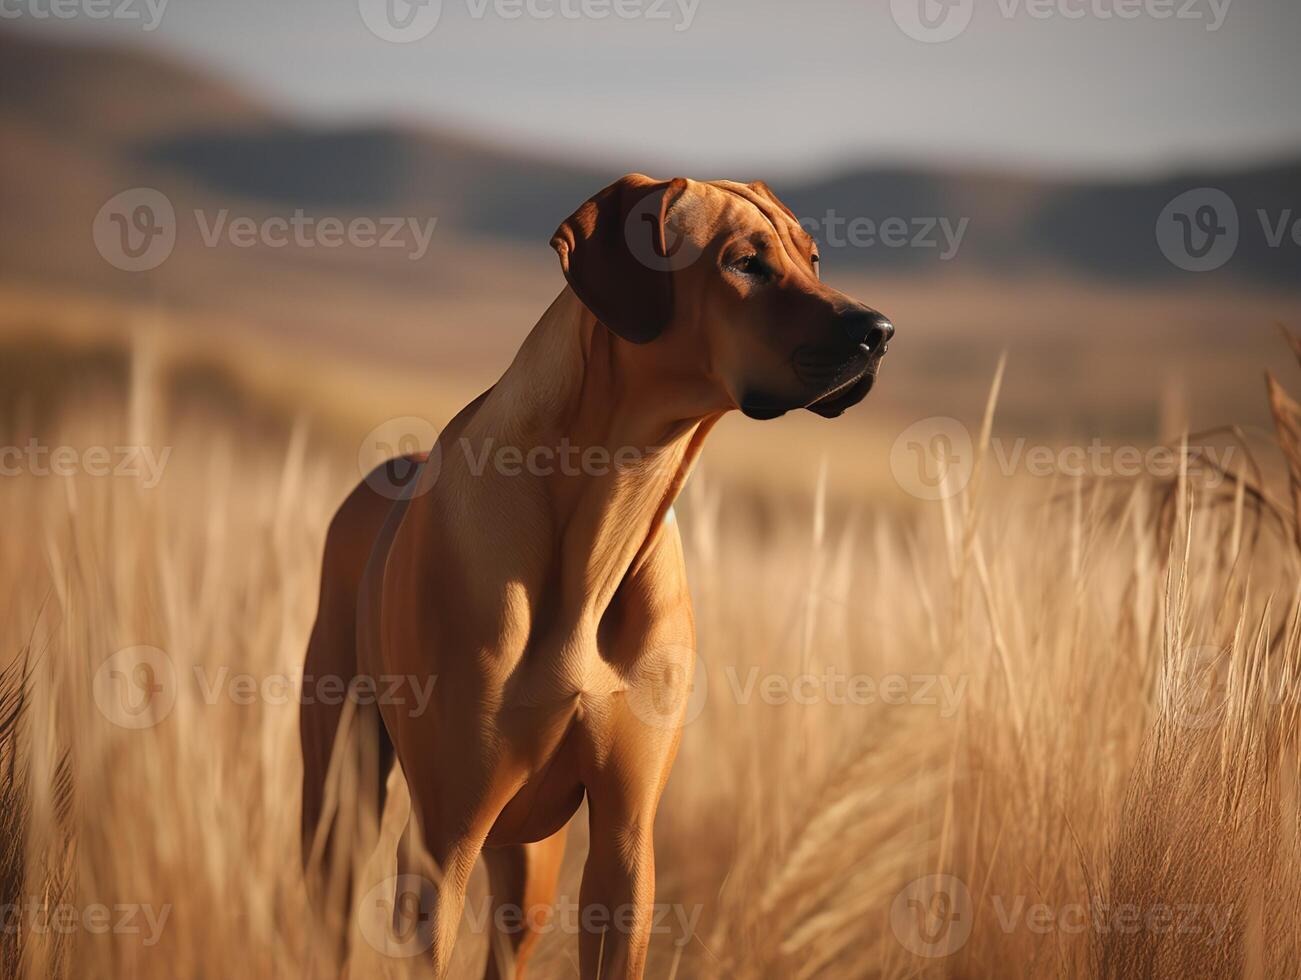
763,190
616,257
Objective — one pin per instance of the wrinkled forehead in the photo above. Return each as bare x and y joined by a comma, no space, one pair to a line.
724,209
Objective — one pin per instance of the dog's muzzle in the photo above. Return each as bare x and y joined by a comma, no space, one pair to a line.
868,328
846,378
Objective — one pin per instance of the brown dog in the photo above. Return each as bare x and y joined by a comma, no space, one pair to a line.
532,565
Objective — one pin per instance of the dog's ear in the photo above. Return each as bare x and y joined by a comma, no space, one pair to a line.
617,257
763,190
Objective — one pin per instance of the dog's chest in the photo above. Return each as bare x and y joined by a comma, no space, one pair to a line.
568,669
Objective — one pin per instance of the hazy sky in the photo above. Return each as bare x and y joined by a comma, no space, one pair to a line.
761,85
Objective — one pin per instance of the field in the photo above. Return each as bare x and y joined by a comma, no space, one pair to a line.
1044,727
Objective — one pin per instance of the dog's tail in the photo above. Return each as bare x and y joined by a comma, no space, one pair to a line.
347,752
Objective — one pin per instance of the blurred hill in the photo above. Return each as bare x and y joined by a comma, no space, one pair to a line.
1067,275
144,116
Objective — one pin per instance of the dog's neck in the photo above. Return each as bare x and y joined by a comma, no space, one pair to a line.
613,444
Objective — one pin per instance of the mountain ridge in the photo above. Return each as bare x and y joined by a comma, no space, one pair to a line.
123,115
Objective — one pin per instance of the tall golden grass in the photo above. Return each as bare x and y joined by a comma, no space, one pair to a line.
1109,787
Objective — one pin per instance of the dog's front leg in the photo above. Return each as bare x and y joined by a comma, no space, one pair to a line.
617,896
618,893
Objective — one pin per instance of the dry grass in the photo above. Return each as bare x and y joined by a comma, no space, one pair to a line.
1112,761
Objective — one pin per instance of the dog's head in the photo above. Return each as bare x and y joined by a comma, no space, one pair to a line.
719,282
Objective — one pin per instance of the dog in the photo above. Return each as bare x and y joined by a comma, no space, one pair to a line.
531,565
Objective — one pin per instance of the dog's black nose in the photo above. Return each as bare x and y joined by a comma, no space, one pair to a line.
868,327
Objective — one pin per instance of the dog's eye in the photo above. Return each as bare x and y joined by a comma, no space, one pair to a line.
754,266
